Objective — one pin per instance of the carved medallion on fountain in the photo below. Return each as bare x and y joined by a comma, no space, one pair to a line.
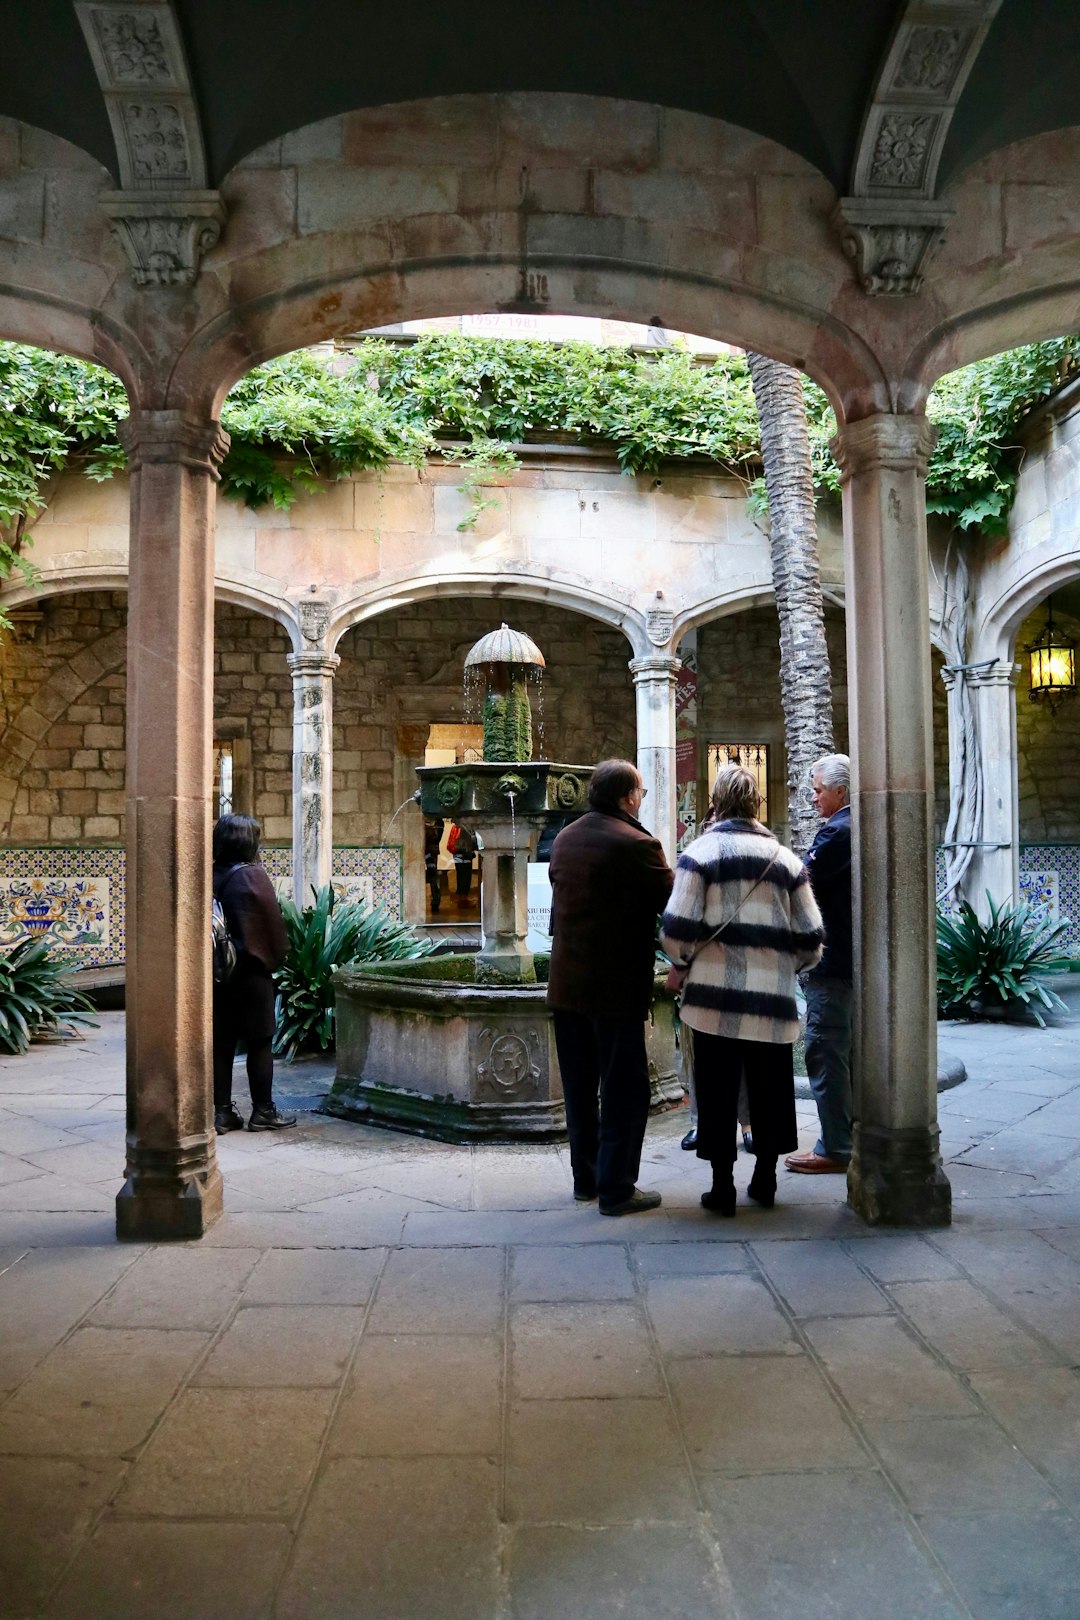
463,1046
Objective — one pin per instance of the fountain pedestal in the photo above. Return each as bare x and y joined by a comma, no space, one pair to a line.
505,848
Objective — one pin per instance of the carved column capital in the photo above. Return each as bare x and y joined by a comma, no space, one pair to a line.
174,437
662,667
165,234
884,442
307,664
890,241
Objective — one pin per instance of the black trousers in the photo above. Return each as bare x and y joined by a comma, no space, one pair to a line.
244,1010
720,1065
605,1077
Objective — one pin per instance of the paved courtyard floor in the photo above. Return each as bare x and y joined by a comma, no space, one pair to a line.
401,1379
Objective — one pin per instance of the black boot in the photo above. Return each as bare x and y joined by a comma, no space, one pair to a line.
720,1198
762,1188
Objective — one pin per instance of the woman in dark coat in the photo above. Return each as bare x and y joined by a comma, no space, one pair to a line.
244,1004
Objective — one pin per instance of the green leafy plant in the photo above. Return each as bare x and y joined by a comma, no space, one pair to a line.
37,996
992,966
329,934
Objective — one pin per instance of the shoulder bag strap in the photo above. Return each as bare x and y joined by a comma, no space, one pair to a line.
766,869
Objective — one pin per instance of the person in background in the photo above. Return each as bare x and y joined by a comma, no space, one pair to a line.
609,883
433,831
244,1004
463,849
828,986
742,920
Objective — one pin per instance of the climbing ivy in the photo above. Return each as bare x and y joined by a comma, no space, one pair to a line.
307,417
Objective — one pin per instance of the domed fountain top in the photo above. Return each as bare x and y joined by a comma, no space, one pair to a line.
505,646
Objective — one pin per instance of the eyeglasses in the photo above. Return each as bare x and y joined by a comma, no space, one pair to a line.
644,792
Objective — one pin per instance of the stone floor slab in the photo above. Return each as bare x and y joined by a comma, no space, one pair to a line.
724,1314
1011,1566
229,1453
99,1393
957,1465
47,1507
559,1272
664,1572
612,1461
1040,1409
823,1547
562,1351
176,1288
882,1371
423,1394
428,1291
387,1538
314,1277
185,1571
966,1328
761,1414
45,1293
819,1279
689,1259
268,1345
902,1259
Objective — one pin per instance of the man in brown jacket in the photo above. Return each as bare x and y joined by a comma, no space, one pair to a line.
609,883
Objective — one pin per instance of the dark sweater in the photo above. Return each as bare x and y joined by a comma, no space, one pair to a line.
252,912
828,861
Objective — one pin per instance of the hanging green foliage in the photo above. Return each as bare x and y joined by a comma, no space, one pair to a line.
307,417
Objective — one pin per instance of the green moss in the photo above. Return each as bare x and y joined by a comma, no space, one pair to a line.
508,723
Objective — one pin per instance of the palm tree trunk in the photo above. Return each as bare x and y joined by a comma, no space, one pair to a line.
805,675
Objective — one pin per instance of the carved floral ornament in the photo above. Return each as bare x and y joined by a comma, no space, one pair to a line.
891,224
162,216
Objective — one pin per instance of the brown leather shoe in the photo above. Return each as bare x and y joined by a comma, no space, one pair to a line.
814,1164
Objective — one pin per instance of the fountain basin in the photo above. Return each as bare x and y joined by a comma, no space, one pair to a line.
425,1046
480,789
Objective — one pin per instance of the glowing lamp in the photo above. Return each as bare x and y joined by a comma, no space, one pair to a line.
1053,665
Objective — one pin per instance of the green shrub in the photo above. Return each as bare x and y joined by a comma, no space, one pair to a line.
37,996
988,967
330,934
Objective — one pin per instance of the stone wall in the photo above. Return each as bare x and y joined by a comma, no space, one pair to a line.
253,703
62,693
1048,749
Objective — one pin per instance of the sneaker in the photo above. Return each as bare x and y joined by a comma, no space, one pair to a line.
227,1119
638,1201
268,1119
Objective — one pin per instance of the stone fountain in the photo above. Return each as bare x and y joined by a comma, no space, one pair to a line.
463,1047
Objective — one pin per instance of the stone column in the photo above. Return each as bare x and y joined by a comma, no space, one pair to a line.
173,1185
313,770
654,690
896,1175
995,864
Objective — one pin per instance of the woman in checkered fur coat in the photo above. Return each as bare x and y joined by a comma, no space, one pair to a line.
739,998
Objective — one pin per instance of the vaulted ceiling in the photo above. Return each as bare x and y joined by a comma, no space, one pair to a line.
803,72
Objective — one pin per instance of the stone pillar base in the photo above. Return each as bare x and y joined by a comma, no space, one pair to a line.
169,1195
896,1177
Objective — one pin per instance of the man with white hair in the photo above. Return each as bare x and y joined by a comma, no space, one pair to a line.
828,986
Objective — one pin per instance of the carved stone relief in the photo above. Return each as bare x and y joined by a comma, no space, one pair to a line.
509,1066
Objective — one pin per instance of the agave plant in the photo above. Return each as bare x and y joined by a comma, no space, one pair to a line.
991,966
328,934
37,996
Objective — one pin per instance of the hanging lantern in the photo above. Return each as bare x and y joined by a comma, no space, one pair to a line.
1053,665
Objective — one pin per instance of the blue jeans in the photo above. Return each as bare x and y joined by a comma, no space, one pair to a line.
828,1062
